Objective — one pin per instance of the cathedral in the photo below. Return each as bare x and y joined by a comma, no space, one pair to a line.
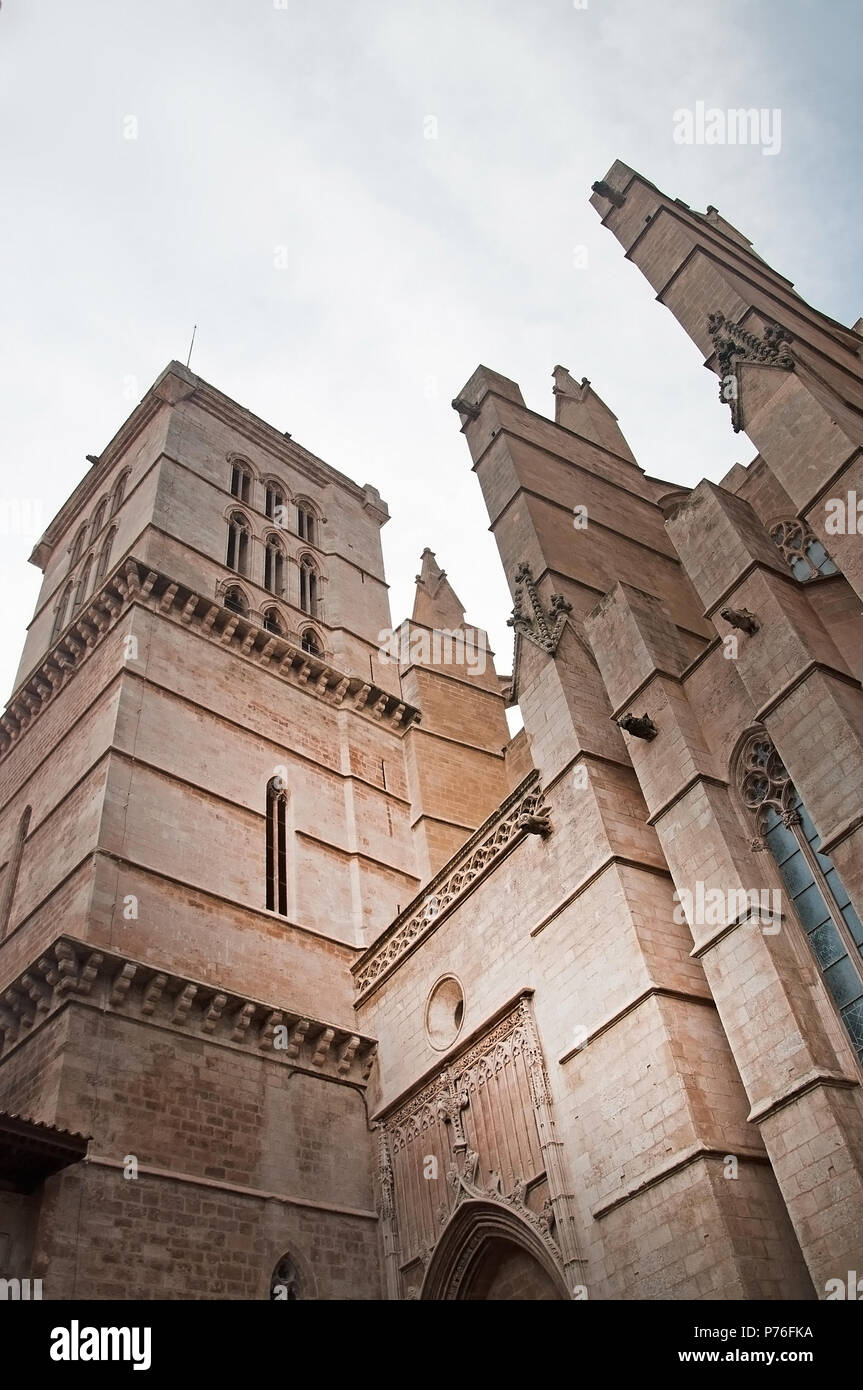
317,984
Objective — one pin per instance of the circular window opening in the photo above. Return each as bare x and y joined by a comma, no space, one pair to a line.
444,1013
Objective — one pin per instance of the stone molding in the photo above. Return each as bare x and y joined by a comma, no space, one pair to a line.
458,877
113,983
696,1153
133,582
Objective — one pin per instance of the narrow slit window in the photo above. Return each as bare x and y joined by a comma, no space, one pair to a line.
277,849
10,880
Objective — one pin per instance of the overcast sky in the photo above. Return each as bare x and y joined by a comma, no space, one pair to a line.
304,124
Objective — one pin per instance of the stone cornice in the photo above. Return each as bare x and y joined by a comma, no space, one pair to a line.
114,983
459,876
134,583
86,630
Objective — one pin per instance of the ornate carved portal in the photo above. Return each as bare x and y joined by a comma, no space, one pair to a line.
473,1158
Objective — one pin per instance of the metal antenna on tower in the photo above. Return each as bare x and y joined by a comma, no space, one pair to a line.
192,344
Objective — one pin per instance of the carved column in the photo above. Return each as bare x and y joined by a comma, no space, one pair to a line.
389,1225
560,1192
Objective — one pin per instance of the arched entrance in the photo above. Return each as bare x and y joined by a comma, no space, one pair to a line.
488,1253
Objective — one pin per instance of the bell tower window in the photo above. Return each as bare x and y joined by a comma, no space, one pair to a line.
306,524
241,482
274,567
274,503
237,557
309,588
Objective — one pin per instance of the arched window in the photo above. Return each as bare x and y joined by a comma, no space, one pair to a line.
60,611
98,519
236,600
831,925
238,543
285,1284
274,503
118,494
801,550
13,868
77,546
105,555
310,642
277,853
306,523
273,622
309,588
274,567
241,481
83,584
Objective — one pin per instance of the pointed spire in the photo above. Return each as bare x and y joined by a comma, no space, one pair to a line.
578,408
436,604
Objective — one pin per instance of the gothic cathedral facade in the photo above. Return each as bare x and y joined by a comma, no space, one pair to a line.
316,984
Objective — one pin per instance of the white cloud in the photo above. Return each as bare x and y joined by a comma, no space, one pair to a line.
407,258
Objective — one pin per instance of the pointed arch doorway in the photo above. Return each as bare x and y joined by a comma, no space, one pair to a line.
488,1253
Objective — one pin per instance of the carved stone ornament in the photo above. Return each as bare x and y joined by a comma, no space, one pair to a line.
448,1118
529,617
733,345
639,725
70,970
803,552
538,823
453,882
741,618
764,783
606,191
466,1186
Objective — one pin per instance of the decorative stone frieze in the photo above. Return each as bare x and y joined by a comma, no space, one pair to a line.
115,984
529,616
510,823
132,583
